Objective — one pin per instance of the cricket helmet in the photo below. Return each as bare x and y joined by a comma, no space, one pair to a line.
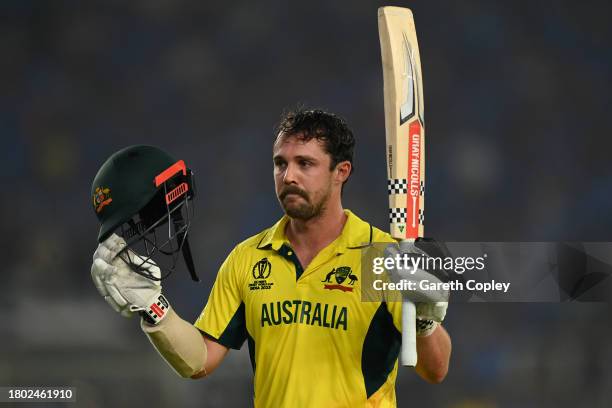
143,194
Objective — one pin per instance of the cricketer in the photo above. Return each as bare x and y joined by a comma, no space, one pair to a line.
291,292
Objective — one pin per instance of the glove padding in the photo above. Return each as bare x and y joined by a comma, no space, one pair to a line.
126,291
431,304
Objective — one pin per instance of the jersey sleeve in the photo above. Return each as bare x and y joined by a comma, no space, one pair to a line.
223,317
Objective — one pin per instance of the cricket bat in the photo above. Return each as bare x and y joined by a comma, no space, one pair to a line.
405,136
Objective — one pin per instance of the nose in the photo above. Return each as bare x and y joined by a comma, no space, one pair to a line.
290,174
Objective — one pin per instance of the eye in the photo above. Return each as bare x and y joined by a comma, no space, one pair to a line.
305,163
280,164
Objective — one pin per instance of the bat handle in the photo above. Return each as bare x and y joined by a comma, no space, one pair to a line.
408,354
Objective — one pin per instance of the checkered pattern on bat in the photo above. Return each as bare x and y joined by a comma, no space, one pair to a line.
397,215
400,186
397,186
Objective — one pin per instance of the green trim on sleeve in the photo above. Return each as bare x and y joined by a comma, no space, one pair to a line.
235,332
380,350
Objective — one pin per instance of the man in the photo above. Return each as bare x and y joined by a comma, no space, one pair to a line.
311,343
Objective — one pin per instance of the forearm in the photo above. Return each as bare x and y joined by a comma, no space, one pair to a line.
433,355
179,343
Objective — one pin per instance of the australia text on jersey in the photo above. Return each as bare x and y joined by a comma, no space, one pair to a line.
304,312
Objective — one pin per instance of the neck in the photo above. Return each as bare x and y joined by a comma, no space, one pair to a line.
317,232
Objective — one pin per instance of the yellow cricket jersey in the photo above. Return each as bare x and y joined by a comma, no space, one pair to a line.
312,341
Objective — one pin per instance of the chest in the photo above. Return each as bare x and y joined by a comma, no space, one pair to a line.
276,277
325,294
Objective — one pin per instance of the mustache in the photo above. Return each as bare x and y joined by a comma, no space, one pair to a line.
293,190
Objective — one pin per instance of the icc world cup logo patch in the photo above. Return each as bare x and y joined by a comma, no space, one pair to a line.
262,269
101,198
340,274
261,272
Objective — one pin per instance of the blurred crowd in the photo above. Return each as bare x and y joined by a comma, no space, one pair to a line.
517,98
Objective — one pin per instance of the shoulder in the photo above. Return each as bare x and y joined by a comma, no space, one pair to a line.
358,231
251,245
379,235
242,257
253,241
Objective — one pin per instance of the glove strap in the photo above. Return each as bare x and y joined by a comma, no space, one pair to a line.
156,311
424,328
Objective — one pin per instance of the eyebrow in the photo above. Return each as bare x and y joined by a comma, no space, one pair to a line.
300,157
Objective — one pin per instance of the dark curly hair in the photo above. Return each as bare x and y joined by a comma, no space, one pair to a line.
327,127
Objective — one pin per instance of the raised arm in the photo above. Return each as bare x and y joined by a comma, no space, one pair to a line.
179,342
434,355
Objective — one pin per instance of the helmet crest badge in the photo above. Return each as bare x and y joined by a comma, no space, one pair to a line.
101,198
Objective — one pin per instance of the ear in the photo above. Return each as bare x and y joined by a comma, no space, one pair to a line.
343,171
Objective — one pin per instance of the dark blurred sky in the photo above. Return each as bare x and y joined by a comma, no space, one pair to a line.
517,118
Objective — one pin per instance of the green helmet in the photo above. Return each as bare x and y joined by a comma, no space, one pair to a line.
139,189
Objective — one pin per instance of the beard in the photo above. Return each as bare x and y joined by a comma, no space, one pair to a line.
304,209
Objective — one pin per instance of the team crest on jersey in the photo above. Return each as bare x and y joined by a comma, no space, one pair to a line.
101,198
340,274
261,272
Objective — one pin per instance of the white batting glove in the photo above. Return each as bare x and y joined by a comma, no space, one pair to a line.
430,304
126,291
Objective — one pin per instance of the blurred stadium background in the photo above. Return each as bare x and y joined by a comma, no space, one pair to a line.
517,112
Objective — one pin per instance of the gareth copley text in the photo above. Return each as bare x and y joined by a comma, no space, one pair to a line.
429,286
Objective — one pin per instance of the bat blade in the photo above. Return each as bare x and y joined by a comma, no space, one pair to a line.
405,142
404,121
